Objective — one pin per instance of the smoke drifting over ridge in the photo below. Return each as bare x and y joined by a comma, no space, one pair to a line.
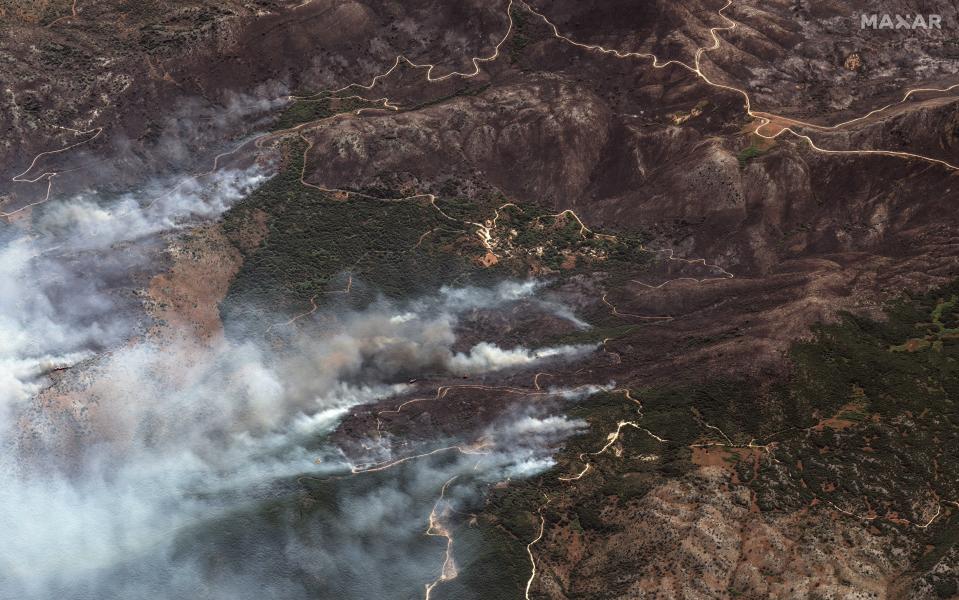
68,277
172,427
166,438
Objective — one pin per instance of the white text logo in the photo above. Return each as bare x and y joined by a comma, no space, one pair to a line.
887,21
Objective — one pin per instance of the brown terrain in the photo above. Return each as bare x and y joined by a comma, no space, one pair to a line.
571,106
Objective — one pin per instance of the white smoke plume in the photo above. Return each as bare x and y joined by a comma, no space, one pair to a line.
93,223
530,440
489,357
181,435
142,443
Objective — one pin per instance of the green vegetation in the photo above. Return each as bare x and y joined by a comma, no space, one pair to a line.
466,90
309,107
164,32
314,109
856,421
398,249
944,539
315,242
621,477
520,38
943,326
859,353
898,447
867,411
748,154
560,242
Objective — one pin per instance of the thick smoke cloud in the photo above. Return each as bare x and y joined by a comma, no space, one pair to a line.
67,283
173,426
167,438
